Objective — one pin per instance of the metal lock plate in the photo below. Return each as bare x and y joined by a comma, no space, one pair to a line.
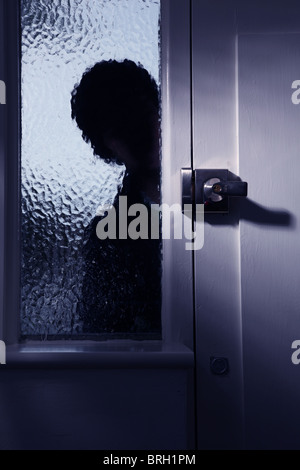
211,188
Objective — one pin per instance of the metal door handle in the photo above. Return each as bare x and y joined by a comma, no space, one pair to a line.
211,188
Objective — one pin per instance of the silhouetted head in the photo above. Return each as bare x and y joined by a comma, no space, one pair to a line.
116,105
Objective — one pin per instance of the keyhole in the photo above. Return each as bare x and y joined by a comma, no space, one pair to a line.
217,188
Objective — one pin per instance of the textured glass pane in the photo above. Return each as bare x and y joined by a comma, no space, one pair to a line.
63,183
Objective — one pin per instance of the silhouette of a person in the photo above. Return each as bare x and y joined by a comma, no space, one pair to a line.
116,106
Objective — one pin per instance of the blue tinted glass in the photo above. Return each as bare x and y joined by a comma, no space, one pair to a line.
65,284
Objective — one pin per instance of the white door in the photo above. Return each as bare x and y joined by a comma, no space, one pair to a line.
246,58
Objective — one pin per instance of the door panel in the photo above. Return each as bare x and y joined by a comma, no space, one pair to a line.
245,59
270,242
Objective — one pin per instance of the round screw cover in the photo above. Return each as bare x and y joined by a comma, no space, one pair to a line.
219,365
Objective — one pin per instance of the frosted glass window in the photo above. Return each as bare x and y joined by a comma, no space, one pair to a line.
62,182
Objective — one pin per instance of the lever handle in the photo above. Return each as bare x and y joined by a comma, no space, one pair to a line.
231,188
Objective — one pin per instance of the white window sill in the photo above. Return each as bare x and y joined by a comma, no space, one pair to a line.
90,354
